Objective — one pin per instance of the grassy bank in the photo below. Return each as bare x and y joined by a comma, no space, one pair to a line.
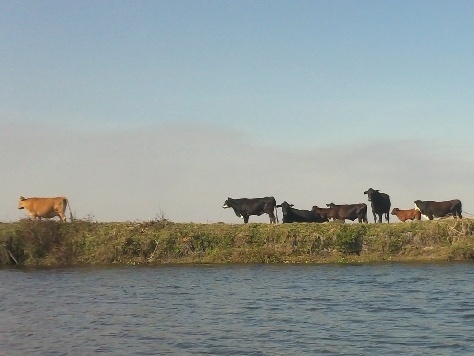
49,243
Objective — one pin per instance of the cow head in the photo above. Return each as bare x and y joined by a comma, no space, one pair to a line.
285,207
228,203
370,193
395,211
418,204
331,205
323,212
231,203
20,203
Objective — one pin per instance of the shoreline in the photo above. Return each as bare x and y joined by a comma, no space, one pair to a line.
29,243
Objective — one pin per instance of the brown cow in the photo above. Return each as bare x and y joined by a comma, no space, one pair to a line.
324,212
348,211
404,215
45,207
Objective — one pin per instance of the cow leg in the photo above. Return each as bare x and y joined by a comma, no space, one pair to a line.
246,218
61,215
272,218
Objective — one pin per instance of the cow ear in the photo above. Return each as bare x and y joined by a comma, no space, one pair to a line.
365,192
377,190
22,198
278,206
292,205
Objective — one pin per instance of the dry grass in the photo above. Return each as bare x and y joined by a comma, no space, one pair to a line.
49,243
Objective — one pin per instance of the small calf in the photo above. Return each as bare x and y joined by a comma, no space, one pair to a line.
404,215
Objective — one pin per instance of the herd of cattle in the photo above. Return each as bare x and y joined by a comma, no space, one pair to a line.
380,203
38,208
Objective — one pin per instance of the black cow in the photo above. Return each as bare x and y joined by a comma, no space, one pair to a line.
438,209
245,207
380,204
348,211
291,215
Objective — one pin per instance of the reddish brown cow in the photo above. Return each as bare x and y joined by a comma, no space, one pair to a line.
404,215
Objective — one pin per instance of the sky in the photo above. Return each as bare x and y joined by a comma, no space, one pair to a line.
136,110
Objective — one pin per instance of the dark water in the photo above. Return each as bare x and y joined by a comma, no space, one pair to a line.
382,309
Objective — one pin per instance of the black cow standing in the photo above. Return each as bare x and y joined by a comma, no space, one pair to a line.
244,207
380,204
291,215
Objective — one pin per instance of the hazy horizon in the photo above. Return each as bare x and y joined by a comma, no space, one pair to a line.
134,110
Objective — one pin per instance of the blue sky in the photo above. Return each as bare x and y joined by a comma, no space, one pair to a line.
134,108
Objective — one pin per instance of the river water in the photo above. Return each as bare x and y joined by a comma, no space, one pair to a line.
372,309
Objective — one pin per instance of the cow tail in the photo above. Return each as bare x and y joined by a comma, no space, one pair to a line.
276,214
70,211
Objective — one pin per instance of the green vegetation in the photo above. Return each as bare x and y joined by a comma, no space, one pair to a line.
82,242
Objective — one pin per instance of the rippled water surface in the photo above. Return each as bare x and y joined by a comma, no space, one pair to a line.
380,309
